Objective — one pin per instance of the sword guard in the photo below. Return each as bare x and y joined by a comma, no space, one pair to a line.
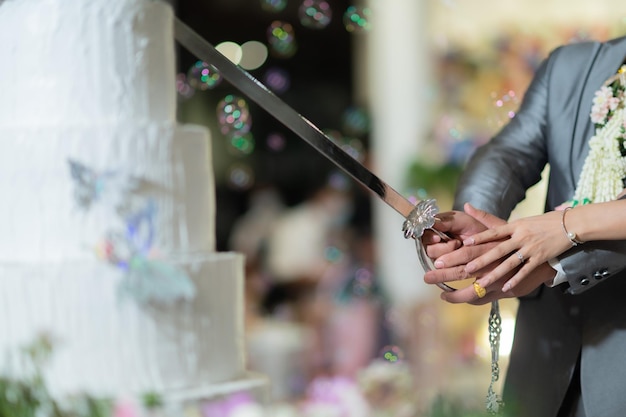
422,217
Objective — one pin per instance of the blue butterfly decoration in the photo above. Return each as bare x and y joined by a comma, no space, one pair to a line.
154,281
108,187
146,278
89,185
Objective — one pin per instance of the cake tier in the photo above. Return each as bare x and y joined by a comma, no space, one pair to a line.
119,190
245,396
110,339
86,61
253,384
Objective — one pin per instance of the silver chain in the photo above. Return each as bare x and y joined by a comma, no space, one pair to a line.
493,401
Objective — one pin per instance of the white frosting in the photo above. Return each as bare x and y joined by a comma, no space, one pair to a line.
109,345
93,162
86,61
45,222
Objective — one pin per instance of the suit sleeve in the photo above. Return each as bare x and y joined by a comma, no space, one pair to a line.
499,173
592,263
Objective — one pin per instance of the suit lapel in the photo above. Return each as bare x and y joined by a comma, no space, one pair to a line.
607,61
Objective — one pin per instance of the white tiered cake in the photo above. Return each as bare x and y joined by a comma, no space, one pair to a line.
107,239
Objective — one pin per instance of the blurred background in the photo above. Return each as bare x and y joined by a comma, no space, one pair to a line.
336,305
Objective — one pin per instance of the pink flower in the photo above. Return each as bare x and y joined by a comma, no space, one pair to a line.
227,407
125,409
335,396
598,115
602,102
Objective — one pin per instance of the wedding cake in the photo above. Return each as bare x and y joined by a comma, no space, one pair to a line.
107,227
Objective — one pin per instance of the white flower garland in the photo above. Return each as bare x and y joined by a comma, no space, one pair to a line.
605,166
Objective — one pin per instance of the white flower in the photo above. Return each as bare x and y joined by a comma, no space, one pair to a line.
604,167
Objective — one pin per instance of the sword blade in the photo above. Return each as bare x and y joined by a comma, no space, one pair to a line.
282,112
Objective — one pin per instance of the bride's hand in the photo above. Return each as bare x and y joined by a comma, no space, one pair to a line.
528,243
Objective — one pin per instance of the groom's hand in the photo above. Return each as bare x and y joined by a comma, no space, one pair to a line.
450,257
540,275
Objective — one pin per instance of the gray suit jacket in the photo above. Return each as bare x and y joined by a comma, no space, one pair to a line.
586,316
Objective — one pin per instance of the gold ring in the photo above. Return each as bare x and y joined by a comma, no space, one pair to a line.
480,291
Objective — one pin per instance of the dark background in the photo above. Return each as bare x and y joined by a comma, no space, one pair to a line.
320,89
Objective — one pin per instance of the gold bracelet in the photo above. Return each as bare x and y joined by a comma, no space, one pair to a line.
570,235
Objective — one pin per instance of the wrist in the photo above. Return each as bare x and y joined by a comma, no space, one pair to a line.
569,229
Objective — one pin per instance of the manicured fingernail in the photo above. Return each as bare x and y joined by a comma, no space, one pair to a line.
470,268
439,264
506,287
469,241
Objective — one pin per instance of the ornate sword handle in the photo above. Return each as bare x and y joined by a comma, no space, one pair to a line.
422,217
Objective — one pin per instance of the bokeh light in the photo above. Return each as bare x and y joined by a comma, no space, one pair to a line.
233,115
242,144
352,146
240,177
337,180
392,354
356,19
273,5
184,90
505,107
203,76
230,50
363,284
315,14
253,55
355,121
333,254
276,141
416,195
282,39
334,134
277,80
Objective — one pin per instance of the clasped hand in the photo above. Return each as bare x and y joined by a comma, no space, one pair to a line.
499,255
